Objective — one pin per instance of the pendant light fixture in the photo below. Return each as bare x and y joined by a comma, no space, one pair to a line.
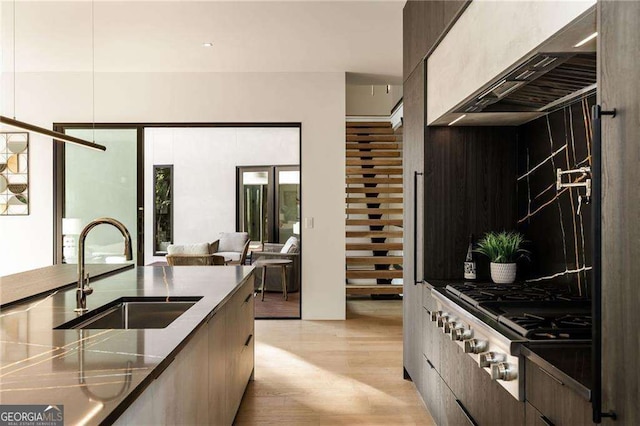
57,136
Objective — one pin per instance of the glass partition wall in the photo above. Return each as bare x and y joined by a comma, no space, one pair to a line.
98,184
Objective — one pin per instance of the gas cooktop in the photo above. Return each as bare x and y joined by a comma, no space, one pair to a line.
534,311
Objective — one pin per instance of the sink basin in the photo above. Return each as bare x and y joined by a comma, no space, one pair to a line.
133,313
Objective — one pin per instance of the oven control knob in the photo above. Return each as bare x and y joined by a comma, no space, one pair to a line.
488,358
475,346
458,332
503,371
442,318
433,316
448,325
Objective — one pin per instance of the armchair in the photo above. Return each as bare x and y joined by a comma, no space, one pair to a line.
234,246
193,254
291,251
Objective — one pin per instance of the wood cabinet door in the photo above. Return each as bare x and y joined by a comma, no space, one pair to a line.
555,401
219,413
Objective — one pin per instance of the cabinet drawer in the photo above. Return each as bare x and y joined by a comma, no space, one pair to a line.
431,339
559,404
432,389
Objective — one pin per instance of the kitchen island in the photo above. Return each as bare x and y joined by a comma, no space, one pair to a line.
193,371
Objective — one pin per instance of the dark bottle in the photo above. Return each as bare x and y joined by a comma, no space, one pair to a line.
470,262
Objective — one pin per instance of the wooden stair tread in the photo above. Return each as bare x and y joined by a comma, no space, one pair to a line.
373,154
383,190
374,289
374,222
368,124
374,200
377,162
372,138
379,146
369,131
375,171
374,274
374,234
352,210
377,180
374,246
374,260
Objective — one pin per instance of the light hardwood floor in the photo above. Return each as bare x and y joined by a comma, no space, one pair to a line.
333,372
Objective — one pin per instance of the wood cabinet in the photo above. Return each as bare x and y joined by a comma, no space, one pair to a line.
553,401
618,87
455,389
206,381
412,159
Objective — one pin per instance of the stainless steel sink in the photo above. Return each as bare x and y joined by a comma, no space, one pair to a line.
133,313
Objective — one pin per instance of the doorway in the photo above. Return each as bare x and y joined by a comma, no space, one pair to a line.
92,184
268,202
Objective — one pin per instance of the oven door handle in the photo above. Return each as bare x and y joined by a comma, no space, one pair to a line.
415,228
466,413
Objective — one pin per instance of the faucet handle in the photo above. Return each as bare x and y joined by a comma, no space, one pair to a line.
87,288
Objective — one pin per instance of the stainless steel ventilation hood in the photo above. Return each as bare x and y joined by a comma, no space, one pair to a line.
555,74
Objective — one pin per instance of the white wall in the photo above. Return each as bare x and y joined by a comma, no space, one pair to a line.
489,37
361,100
317,100
204,174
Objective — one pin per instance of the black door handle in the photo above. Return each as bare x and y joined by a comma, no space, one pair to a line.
546,421
415,228
466,413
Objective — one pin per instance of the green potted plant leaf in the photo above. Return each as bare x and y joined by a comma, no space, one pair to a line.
502,249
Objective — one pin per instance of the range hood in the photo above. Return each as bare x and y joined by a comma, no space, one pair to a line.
560,70
542,83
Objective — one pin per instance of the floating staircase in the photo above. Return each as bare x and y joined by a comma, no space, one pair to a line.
373,208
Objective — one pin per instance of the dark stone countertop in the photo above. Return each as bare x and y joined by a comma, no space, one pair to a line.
40,365
23,285
568,362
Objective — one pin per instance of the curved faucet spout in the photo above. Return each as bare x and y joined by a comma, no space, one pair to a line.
83,288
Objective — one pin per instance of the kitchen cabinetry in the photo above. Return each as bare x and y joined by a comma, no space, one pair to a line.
455,389
205,382
550,401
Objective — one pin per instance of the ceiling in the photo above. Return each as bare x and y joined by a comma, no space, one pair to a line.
362,38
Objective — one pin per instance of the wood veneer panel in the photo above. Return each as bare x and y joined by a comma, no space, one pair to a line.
470,188
619,85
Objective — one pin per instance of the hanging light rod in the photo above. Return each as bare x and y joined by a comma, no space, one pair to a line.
46,132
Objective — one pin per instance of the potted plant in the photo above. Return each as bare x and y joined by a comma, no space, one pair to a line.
502,249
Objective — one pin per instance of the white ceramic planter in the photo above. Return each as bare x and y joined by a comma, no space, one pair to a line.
503,273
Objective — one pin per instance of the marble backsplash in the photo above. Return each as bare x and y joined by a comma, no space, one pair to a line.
559,238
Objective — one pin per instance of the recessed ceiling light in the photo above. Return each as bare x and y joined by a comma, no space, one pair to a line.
587,40
207,44
457,119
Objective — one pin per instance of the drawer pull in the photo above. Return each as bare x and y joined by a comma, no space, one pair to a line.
546,421
554,378
248,340
430,365
248,298
466,413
